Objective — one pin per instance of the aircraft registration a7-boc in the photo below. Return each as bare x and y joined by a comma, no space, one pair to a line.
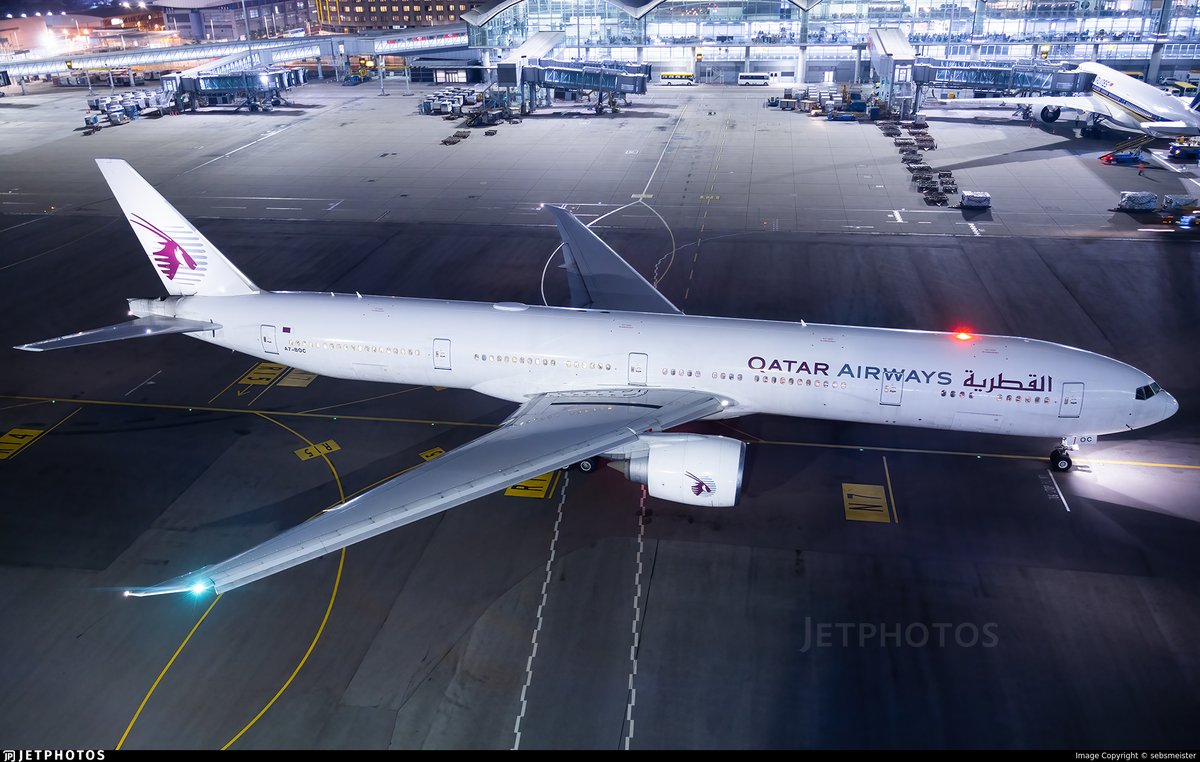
1113,99
606,378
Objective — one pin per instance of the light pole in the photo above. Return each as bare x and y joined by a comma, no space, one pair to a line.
246,19
249,50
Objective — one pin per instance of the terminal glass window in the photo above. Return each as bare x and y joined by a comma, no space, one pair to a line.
1114,31
587,23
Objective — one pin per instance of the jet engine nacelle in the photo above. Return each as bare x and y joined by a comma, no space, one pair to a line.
1048,114
694,469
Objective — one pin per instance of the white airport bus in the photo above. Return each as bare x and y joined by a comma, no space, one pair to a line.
676,78
754,78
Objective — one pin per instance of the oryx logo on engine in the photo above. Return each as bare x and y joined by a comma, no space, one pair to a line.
701,485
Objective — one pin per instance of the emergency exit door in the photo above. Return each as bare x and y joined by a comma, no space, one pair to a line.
268,340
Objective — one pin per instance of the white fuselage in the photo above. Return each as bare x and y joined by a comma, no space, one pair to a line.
989,384
1138,103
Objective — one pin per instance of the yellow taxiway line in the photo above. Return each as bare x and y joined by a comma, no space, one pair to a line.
158,679
245,411
337,581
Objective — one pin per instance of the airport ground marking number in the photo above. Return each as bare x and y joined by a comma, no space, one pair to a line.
429,455
16,440
539,487
317,450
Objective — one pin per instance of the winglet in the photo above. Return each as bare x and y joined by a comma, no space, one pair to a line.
196,585
598,277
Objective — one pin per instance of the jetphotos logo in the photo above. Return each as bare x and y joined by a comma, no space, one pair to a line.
52,755
172,255
701,485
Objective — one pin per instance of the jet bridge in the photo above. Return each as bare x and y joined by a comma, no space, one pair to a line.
1003,78
523,68
407,42
122,59
509,72
604,76
892,58
254,58
259,89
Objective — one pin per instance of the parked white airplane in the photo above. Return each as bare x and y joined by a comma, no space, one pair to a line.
605,378
1114,99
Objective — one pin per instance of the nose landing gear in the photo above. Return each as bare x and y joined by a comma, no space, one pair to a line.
1060,457
1060,460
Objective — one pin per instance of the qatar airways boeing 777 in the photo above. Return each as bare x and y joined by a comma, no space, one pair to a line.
606,378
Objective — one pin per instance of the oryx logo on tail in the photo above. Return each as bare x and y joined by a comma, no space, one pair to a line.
171,256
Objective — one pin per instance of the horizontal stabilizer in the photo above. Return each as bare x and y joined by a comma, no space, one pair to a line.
598,277
153,325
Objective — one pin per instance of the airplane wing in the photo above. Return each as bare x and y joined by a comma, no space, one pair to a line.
597,276
550,431
151,325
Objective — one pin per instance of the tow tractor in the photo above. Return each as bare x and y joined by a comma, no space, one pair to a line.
1125,157
1185,150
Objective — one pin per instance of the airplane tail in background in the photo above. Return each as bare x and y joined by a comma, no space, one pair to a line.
184,259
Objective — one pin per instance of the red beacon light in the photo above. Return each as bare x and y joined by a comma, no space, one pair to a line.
963,336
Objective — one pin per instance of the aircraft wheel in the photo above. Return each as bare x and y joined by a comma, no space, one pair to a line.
587,466
1060,461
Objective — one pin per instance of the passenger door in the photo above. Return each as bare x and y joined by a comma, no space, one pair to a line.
890,391
441,354
1072,400
637,369
267,335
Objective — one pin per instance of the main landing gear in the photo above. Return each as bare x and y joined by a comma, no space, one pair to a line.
586,466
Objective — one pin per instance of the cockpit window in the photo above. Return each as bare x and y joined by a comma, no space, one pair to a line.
1148,391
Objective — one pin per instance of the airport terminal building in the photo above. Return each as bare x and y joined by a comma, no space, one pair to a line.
825,41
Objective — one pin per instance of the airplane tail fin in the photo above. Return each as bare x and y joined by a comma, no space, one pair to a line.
184,259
